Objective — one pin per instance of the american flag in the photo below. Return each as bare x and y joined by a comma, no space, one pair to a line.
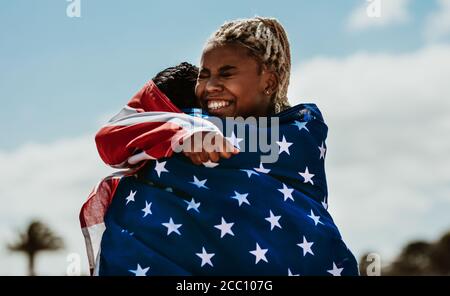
236,217
145,128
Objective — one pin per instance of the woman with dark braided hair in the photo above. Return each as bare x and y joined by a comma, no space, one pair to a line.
175,218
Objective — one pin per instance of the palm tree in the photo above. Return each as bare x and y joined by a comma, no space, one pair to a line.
38,237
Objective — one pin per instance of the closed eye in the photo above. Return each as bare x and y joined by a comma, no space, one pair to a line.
203,75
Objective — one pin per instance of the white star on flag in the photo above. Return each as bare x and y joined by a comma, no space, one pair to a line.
300,125
315,218
241,198
307,176
284,146
130,197
192,205
210,164
140,271
260,254
261,169
250,172
335,271
206,258
306,246
287,192
126,231
171,227
273,220
322,151
291,274
159,168
198,183
147,210
324,203
225,228
234,140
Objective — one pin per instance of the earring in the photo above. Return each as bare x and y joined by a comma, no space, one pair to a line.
267,92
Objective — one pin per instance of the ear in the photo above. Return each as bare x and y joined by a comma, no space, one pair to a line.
269,81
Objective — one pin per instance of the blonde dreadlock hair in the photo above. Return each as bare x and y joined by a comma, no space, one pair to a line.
267,41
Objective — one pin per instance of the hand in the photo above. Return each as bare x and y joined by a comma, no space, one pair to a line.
212,149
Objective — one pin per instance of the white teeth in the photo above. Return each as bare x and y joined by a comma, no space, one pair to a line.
217,104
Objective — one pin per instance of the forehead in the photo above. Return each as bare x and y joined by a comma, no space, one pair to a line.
217,56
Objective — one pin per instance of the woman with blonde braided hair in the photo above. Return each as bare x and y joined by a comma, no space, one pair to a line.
245,69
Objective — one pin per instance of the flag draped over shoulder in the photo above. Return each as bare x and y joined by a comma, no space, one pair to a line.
236,217
145,129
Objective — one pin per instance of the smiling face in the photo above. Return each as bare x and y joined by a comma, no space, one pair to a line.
231,83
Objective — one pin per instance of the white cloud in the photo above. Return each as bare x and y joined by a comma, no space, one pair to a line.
391,12
388,164
437,24
49,182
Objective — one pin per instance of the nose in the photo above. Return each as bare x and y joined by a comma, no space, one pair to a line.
213,85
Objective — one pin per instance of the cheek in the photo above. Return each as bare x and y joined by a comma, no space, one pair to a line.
246,91
199,89
241,89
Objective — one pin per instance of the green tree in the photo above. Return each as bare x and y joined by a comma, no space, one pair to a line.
36,238
413,260
422,258
440,256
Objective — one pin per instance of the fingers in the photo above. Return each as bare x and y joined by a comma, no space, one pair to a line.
197,158
221,148
228,149
225,154
193,157
204,156
214,156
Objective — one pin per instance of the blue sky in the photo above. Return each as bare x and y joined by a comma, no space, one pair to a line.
382,85
62,75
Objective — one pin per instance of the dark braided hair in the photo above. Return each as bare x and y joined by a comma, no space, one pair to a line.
178,84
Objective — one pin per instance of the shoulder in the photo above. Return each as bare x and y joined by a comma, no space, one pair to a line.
302,112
